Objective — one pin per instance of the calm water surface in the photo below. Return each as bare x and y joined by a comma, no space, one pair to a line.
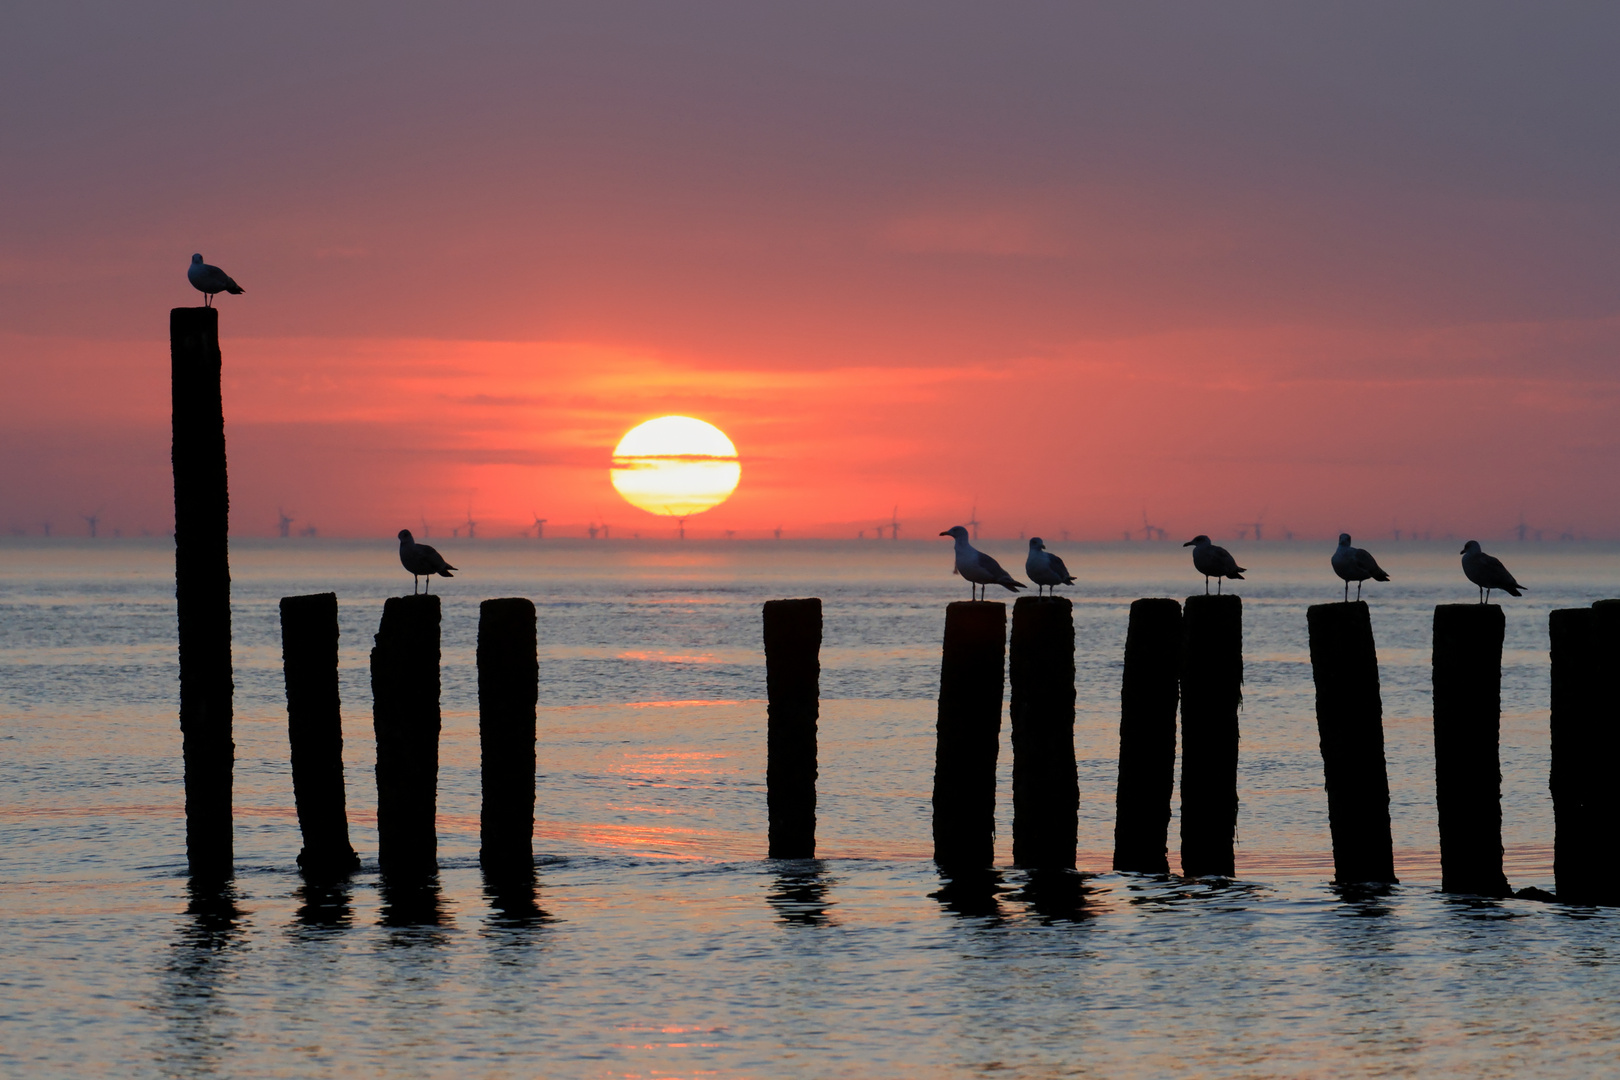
659,943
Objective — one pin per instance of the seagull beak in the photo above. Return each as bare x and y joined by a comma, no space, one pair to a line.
1464,551
946,533
1189,543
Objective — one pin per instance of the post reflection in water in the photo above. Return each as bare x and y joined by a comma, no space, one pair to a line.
799,892
971,894
210,935
324,907
514,902
413,902
1056,896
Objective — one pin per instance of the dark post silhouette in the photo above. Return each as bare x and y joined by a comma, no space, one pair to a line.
1147,737
1467,727
1350,725
1211,695
1046,791
793,707
508,693
309,659
202,586
405,715
970,685
1585,738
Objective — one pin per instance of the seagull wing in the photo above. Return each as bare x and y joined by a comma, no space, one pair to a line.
1226,566
997,575
1369,565
1498,575
1056,565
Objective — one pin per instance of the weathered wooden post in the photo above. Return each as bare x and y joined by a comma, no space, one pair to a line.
1585,751
1350,726
1046,790
508,695
793,708
1211,695
972,675
1467,728
1149,691
309,658
202,585
405,716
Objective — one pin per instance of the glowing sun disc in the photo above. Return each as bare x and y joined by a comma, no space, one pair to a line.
675,466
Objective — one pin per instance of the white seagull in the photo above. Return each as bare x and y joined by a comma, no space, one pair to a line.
976,566
1486,572
421,561
1355,564
1213,562
1044,568
209,280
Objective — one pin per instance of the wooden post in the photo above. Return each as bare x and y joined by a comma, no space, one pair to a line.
1147,737
1211,695
202,586
1467,727
793,708
508,694
405,715
972,674
1350,726
1585,741
1046,791
309,658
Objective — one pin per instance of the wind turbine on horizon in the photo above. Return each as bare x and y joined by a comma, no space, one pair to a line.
472,526
539,525
973,521
283,523
894,523
90,519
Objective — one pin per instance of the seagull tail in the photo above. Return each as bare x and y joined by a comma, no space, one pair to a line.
1237,573
1513,589
1011,584
234,289
1380,576
446,571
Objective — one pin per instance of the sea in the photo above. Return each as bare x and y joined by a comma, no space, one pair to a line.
659,941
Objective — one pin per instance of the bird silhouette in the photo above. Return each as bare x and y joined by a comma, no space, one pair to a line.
1355,564
1213,562
210,280
1487,572
421,561
1044,568
979,568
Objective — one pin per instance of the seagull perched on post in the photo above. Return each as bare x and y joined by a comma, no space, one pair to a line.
421,561
1213,562
1044,568
209,280
1355,564
979,568
1486,572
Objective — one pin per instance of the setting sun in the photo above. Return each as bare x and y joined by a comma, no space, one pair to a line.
675,466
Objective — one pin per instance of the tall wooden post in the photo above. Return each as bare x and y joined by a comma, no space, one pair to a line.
971,679
1211,695
1350,726
793,693
1046,790
1467,730
1585,753
309,657
1148,694
202,586
405,716
508,694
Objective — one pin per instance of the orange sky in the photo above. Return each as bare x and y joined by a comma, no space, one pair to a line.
1336,269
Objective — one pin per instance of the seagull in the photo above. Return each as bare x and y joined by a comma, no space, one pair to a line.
1213,562
209,280
976,566
1044,568
1355,564
421,561
1487,572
